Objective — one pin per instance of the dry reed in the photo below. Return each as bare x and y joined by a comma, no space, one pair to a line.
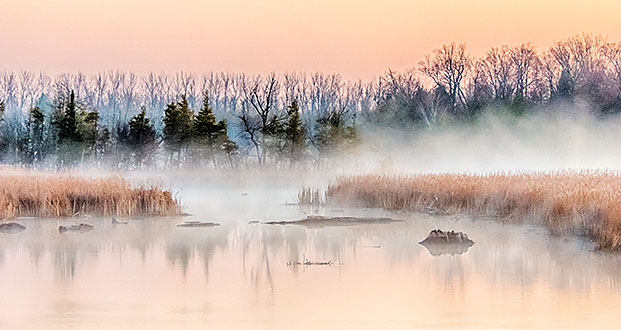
587,202
310,196
52,195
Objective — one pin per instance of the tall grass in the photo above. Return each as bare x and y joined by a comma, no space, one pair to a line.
587,202
310,196
27,193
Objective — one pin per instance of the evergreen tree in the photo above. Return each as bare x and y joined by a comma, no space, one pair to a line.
68,122
76,130
3,143
177,127
210,136
36,123
332,134
295,134
565,86
142,137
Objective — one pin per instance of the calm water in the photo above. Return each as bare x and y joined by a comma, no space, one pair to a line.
152,275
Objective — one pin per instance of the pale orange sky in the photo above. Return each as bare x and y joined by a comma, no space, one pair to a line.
356,38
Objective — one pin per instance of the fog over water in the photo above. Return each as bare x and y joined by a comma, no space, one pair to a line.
150,274
555,139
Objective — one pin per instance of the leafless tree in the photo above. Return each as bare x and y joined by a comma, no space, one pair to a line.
447,67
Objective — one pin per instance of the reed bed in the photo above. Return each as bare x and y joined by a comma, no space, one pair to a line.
36,194
587,202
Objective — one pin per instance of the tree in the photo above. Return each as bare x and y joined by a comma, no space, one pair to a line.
295,134
209,135
499,71
3,142
447,67
258,127
178,127
527,65
36,124
76,129
332,134
141,138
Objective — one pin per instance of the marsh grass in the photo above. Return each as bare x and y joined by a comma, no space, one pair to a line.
587,202
310,196
40,194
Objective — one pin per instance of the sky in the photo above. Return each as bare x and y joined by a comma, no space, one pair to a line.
357,39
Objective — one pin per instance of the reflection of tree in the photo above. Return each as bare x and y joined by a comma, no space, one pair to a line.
503,255
183,244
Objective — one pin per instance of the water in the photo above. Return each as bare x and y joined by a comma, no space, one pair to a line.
150,274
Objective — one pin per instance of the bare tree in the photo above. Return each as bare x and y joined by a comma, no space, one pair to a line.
261,95
447,67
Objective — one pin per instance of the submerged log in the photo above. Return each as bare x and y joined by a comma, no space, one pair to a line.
11,228
81,228
313,221
198,224
117,222
440,242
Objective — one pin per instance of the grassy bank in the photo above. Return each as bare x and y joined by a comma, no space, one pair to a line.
565,202
36,194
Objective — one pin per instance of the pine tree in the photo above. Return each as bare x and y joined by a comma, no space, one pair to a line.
333,135
210,135
66,125
142,137
68,122
178,127
3,143
76,130
36,123
295,134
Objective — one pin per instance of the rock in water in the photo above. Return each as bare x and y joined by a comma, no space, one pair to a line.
440,242
198,224
11,228
117,222
81,228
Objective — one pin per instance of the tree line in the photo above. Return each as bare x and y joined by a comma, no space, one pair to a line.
231,120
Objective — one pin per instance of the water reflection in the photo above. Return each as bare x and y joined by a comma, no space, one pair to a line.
182,277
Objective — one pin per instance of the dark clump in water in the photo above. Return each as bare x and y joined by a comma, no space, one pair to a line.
11,228
440,242
118,222
81,228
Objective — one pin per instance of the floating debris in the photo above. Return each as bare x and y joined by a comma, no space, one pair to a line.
307,262
315,221
81,228
11,228
440,242
198,224
117,222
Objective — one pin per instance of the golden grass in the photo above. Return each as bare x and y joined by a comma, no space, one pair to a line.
587,202
40,194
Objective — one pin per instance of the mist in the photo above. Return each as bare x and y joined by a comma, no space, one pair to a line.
562,138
